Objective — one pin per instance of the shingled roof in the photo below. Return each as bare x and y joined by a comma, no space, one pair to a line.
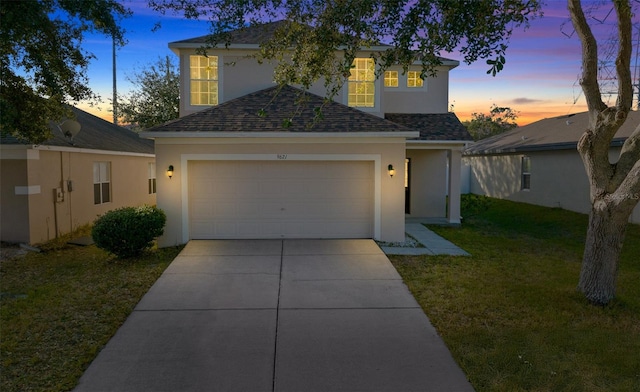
255,34
269,110
433,126
95,134
557,133
249,35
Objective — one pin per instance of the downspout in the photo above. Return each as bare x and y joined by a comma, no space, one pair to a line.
69,190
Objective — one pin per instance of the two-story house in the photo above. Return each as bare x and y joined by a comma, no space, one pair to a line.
247,160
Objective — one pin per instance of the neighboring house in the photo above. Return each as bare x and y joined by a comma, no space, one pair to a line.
539,163
52,188
383,150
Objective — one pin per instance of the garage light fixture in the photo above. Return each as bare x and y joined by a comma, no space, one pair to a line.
392,171
170,171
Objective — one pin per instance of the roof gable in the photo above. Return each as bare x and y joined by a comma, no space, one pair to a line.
250,35
557,133
271,109
257,34
96,134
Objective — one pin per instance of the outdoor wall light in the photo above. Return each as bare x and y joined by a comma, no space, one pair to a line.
392,171
170,171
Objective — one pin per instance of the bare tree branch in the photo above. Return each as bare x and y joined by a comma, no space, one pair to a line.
629,156
589,80
623,59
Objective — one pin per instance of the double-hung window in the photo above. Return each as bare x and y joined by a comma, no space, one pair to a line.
526,173
204,80
362,83
101,182
152,178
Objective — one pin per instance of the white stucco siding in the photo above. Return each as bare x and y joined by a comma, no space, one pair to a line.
239,75
376,153
432,97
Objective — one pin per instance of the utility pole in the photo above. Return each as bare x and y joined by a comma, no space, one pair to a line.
115,89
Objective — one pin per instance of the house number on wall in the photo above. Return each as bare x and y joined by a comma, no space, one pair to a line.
282,156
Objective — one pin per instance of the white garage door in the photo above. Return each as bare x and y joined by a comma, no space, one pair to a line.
276,199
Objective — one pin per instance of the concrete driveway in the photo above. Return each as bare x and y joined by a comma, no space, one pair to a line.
277,315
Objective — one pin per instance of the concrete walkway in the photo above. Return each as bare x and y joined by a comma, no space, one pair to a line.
433,243
277,315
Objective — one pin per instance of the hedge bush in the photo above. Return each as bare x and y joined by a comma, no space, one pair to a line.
128,231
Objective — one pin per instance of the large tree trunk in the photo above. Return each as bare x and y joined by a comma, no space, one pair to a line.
605,235
613,186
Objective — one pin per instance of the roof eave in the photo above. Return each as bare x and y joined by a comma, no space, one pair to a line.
269,134
537,147
175,47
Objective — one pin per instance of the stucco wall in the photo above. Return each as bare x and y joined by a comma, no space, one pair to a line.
432,97
14,208
558,179
49,169
173,194
240,75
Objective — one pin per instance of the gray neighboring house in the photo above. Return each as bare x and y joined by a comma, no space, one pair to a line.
539,164
52,188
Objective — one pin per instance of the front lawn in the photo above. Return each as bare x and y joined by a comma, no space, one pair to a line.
511,314
59,307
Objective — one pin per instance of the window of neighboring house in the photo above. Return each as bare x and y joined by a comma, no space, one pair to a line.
204,80
526,173
391,78
152,178
362,83
414,79
101,182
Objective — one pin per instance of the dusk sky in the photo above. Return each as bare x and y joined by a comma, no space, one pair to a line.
540,78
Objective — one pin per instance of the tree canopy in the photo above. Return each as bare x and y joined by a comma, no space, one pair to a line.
155,98
415,31
43,64
499,120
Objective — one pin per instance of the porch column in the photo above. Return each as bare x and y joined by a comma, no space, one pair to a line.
453,207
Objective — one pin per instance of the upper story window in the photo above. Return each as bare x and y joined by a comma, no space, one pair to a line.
101,182
414,79
362,89
391,78
204,80
526,173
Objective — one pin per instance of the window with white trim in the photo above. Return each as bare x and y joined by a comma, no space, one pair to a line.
152,178
203,80
414,79
391,78
362,89
101,182
526,173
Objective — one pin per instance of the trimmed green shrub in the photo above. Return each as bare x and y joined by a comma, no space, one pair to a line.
472,205
128,231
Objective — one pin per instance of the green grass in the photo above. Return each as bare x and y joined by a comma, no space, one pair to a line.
59,307
511,314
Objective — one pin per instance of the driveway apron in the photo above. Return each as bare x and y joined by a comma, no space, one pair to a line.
277,315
